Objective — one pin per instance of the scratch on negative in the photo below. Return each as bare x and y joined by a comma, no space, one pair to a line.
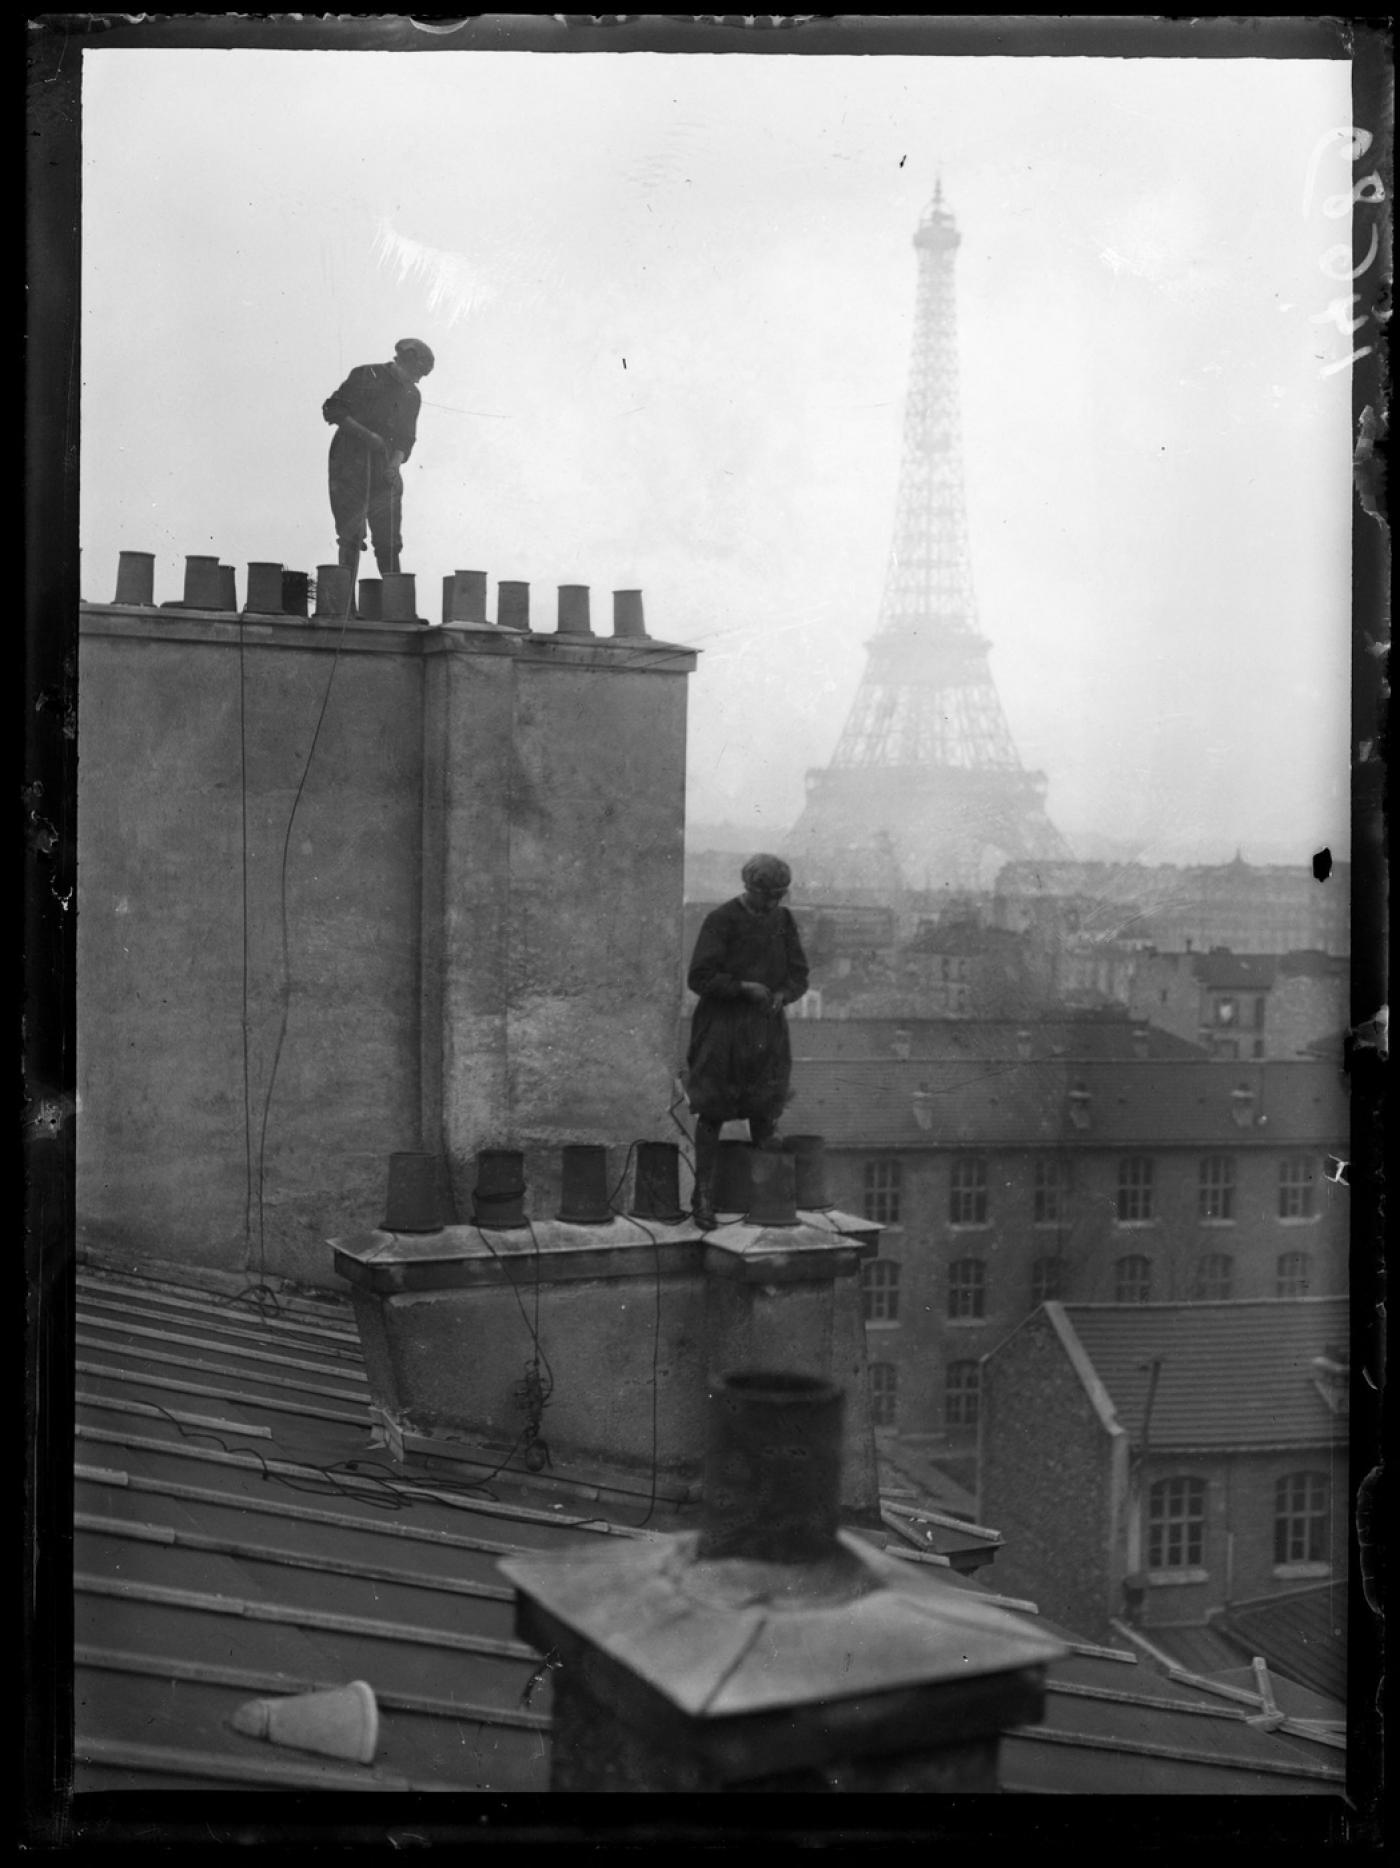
735,1664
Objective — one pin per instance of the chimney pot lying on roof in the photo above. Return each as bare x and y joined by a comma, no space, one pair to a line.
136,578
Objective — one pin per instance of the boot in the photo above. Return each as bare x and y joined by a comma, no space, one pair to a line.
349,558
702,1200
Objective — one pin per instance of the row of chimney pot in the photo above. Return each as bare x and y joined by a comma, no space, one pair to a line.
390,598
766,1185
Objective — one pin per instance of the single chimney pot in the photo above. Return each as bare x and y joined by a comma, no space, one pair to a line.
203,584
264,592
136,578
370,605
584,1200
334,590
512,604
656,1187
498,1201
398,598
628,619
772,1490
573,610
420,1196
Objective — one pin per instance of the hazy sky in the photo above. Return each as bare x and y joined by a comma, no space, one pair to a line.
671,300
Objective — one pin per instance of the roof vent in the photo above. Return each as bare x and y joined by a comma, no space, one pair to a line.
1242,1106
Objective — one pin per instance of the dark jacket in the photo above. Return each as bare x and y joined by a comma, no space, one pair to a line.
740,1060
378,397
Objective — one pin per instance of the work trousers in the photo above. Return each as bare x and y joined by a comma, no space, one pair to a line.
365,489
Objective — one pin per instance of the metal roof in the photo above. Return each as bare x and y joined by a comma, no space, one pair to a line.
1151,1103
1233,1376
1303,1635
239,1535
998,1039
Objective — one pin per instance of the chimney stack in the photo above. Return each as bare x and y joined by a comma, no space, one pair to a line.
770,1650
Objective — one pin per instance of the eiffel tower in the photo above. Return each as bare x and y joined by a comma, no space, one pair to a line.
926,789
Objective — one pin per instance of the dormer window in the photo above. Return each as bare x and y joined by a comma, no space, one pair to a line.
1079,1106
1242,1106
1023,1044
900,1043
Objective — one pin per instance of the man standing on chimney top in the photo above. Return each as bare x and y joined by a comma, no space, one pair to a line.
748,965
375,416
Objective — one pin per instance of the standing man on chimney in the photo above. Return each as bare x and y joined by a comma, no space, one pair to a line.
375,416
748,966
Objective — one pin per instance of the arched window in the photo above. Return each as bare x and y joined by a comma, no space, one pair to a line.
1214,1278
1176,1524
879,1290
1132,1280
1301,1514
884,1393
1049,1280
1294,1274
967,1288
962,1394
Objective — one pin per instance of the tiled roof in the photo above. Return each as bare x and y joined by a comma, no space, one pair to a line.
992,1039
1302,1635
1233,1375
239,1536
1159,1103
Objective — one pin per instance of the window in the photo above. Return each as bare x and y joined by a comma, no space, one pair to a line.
1214,1278
1048,1280
1301,1530
1176,1524
1136,1179
967,1288
1051,1190
884,1393
1294,1274
1260,1005
1225,1010
879,1290
1215,1198
967,1191
882,1189
962,1394
1295,1187
1132,1281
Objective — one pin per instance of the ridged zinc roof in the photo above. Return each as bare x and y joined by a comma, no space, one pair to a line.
1158,1103
1233,1376
1302,1634
240,1535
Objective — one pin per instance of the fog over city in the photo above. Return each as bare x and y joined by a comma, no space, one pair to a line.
671,300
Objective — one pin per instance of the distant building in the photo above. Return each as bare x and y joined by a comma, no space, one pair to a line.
1001,1181
1161,1462
1245,1005
1249,909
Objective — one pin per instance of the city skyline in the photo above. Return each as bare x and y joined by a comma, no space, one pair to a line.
672,326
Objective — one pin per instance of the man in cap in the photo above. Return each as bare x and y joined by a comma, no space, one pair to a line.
375,416
748,965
